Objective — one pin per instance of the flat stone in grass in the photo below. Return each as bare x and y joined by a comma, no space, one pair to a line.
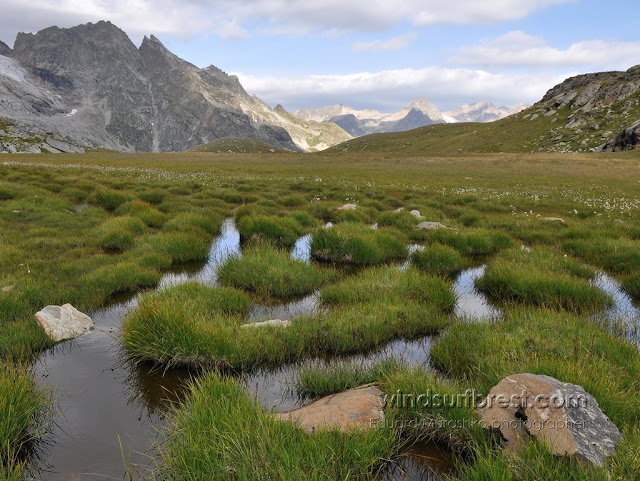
271,322
563,416
557,220
348,207
64,322
431,225
359,408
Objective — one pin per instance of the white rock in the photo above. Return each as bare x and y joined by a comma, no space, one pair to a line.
348,207
431,226
559,220
271,322
64,322
416,214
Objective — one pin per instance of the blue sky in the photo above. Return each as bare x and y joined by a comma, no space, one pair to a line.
371,53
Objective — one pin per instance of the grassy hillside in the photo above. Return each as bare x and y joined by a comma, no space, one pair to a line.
237,145
579,115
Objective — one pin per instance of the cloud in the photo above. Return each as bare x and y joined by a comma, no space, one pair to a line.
390,44
518,49
446,87
241,18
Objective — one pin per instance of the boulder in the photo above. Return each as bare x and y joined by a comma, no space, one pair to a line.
64,322
628,139
271,322
431,226
563,416
360,408
64,147
416,214
348,207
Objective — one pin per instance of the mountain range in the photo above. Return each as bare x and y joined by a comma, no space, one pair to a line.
91,86
418,113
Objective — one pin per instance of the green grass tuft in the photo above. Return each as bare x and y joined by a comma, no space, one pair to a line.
352,243
541,278
282,231
438,259
270,272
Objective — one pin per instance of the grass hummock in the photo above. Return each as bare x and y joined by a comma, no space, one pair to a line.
438,259
541,277
353,243
282,231
245,443
271,272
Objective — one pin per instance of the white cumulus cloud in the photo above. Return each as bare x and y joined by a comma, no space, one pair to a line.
446,87
241,18
395,43
518,49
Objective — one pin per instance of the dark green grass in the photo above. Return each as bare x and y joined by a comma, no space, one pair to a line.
270,272
388,284
282,231
171,328
358,244
474,242
119,233
185,246
24,409
150,216
438,259
564,346
541,278
245,443
110,199
631,284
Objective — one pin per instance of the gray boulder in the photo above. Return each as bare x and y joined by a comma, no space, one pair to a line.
355,409
431,226
627,140
64,322
563,416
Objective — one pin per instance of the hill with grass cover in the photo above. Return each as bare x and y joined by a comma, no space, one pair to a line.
587,113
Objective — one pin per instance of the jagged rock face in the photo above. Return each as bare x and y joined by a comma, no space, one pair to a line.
350,123
97,69
588,112
90,85
629,139
414,119
5,50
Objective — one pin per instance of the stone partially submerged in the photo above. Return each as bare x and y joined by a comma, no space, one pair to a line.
563,416
360,408
64,322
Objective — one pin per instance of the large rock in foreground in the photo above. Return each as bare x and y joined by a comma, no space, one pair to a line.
64,322
360,408
563,416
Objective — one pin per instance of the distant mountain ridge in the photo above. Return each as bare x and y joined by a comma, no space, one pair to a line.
90,85
419,113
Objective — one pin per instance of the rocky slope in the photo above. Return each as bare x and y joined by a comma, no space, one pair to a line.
90,85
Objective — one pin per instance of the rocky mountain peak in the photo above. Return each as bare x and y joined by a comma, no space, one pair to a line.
5,50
